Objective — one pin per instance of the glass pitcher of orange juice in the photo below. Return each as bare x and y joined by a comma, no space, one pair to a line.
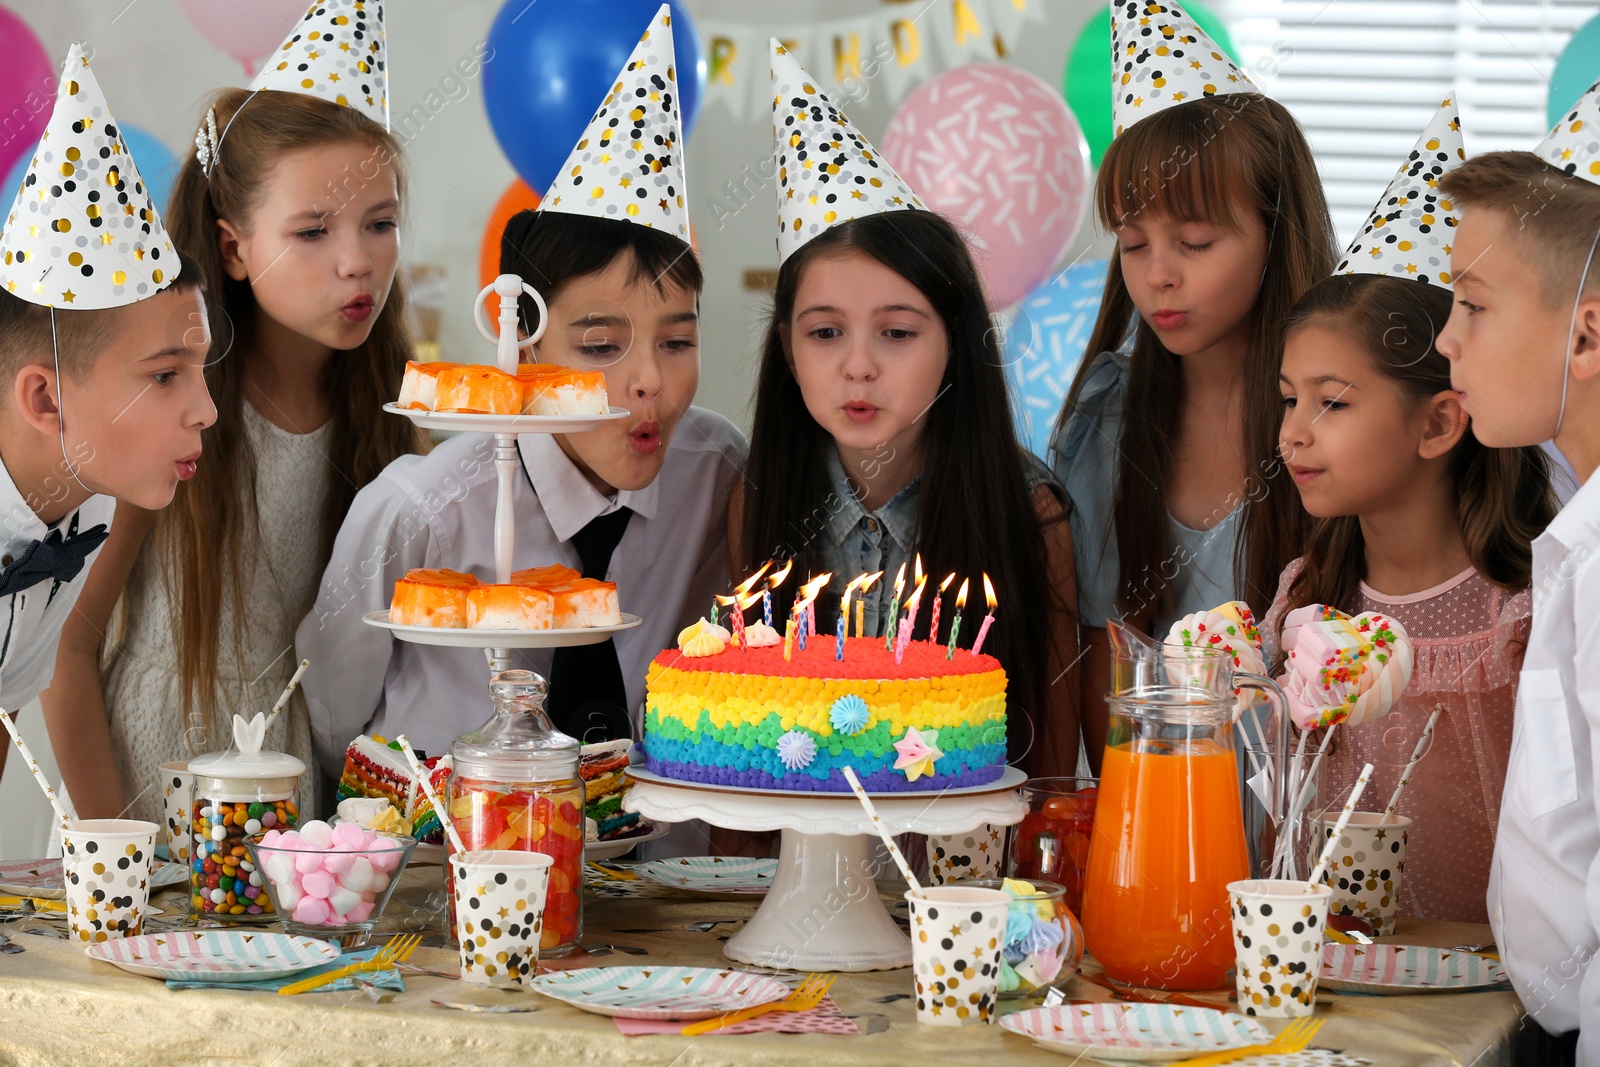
1169,823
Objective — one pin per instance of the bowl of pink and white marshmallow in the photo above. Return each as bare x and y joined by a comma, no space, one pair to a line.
331,882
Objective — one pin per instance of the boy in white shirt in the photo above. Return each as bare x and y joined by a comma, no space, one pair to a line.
102,347
642,502
1524,338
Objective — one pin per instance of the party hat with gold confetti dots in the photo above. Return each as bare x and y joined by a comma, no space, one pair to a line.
827,172
1410,231
1160,58
83,231
628,165
1573,145
337,51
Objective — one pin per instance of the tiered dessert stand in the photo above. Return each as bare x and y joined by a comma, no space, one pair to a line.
823,912
505,428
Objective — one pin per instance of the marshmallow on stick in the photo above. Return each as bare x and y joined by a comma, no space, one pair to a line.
1343,669
1230,628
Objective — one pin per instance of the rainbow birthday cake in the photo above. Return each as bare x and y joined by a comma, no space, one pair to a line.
723,714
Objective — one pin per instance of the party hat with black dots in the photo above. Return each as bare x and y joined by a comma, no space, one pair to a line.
827,172
1573,145
1410,231
628,165
1160,58
336,51
83,231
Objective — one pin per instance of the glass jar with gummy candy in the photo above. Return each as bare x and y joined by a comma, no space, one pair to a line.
237,794
515,786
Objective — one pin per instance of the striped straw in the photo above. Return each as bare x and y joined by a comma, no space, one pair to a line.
1411,765
433,798
33,765
877,825
1338,829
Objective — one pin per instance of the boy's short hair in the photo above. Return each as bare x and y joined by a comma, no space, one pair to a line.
548,249
1553,215
25,328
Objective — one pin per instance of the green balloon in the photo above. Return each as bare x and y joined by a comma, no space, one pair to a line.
1086,82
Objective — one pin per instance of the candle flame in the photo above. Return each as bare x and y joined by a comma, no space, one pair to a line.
745,586
916,598
809,591
855,583
744,602
947,580
961,595
900,581
988,592
917,571
870,580
779,575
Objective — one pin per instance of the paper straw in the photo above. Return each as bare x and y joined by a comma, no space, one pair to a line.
877,825
288,690
1338,828
433,798
33,765
1411,765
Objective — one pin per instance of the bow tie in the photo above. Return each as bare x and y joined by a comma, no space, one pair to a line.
56,557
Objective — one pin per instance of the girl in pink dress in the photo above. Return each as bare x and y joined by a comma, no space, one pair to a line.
1415,519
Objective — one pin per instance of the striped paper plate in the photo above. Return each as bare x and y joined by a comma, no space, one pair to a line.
1401,969
711,874
43,878
1141,1033
215,955
660,993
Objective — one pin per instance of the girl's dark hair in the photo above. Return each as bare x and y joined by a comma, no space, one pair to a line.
974,513
200,538
1503,495
548,249
1211,158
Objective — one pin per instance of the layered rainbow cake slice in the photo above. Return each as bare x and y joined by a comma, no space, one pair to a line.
375,767
601,767
747,717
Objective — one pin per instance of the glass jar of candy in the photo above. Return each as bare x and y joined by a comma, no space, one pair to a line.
515,786
236,794
1044,942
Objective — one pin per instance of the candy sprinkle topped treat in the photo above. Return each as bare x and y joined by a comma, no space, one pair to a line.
1342,669
1230,629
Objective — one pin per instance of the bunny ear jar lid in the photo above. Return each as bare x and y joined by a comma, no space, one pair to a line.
83,231
246,760
1160,58
1411,229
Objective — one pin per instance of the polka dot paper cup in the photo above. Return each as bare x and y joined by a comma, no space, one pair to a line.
500,895
1277,945
106,863
960,857
1366,867
177,794
956,936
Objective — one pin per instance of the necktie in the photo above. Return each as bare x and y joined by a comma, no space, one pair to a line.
55,558
588,699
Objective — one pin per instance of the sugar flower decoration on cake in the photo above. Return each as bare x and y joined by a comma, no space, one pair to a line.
702,639
1343,669
760,635
796,750
849,715
918,750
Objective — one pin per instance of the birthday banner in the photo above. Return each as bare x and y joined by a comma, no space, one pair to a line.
887,52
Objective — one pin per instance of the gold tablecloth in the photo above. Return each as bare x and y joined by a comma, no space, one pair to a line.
59,1007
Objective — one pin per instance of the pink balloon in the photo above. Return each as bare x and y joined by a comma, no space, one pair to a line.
27,92
997,151
247,32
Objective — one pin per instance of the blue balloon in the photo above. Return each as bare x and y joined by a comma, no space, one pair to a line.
156,165
553,63
1045,343
1576,70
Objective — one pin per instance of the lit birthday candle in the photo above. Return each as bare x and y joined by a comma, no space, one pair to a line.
938,602
788,640
955,623
861,602
808,596
894,607
773,583
909,623
844,616
988,620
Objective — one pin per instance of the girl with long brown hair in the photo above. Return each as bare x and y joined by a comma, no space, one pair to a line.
1167,441
291,204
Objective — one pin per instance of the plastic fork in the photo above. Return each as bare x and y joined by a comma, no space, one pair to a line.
1295,1038
398,950
805,997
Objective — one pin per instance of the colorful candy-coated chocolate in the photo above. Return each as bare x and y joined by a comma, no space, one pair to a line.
218,879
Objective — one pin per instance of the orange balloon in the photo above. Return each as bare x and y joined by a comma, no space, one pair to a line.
517,197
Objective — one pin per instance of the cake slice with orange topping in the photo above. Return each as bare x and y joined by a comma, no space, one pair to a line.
432,598
478,389
549,389
585,602
509,607
419,389
545,577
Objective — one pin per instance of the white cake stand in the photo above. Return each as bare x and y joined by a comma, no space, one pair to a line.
823,912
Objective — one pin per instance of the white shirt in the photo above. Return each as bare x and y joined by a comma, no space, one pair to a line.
1544,888
438,511
31,621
